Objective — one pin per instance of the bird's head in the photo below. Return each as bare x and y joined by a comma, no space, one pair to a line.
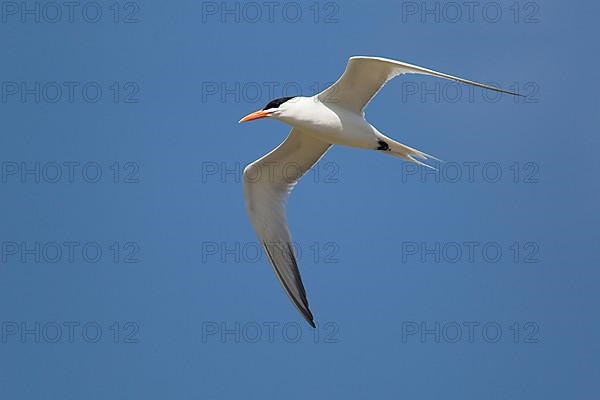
278,108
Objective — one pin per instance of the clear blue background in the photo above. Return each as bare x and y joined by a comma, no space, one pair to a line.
177,291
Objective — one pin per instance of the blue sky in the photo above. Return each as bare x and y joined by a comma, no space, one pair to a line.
130,270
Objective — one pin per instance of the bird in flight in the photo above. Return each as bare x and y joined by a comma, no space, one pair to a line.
334,116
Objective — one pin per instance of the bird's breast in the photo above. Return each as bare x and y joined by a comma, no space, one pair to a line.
341,127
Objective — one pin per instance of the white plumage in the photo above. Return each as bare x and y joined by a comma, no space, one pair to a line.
334,116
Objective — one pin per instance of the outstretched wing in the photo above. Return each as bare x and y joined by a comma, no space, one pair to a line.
365,76
267,184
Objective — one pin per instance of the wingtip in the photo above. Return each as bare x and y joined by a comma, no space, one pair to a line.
509,92
309,317
514,94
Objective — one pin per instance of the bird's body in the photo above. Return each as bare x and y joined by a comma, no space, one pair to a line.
332,117
331,124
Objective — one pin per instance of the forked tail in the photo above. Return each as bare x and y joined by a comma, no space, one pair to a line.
404,152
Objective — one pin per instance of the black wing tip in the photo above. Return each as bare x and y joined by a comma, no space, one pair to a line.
307,314
500,90
302,303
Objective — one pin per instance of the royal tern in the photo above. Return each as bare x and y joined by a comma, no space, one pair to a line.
334,116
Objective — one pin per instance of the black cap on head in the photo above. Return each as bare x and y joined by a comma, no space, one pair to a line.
277,102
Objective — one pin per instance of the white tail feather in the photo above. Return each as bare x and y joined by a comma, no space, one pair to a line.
408,153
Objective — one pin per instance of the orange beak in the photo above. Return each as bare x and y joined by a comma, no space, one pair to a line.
255,115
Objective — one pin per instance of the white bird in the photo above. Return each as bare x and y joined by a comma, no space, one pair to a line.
334,116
